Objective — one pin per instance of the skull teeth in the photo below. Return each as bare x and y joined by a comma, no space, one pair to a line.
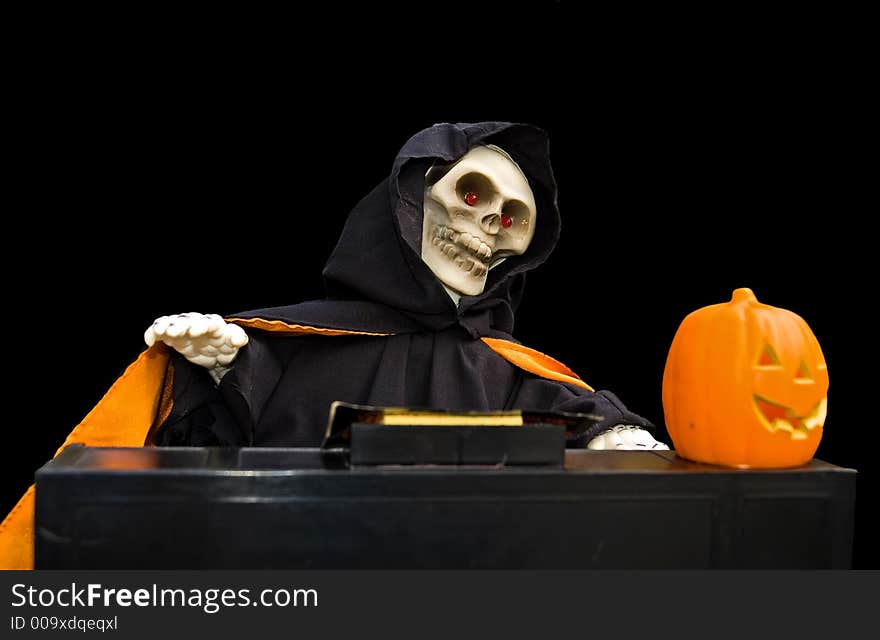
462,240
466,251
465,264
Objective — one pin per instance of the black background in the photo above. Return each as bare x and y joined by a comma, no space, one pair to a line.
208,165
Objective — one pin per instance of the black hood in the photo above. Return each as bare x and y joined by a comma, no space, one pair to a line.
280,390
378,256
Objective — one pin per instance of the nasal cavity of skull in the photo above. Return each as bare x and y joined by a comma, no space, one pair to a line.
475,190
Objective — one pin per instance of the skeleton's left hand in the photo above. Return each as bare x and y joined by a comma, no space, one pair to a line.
625,437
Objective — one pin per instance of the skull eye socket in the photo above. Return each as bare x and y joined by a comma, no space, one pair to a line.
474,189
518,214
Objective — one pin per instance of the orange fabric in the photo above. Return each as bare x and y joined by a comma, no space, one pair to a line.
122,418
277,326
126,414
17,534
535,362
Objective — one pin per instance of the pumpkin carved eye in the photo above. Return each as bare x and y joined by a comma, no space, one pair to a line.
768,357
803,373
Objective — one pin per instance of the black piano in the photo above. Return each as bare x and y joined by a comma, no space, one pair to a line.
184,508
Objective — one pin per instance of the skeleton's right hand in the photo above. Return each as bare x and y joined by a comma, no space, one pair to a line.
205,340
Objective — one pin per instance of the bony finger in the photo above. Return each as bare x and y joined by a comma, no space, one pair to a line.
627,439
216,341
641,438
209,350
177,327
203,361
161,325
198,326
613,440
216,325
236,336
186,347
150,336
597,443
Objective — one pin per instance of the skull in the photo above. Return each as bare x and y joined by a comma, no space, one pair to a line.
479,212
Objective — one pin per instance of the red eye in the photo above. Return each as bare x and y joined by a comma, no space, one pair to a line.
471,198
506,221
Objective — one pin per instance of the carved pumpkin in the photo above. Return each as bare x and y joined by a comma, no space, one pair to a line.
745,385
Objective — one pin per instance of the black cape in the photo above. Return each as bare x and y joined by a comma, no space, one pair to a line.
279,390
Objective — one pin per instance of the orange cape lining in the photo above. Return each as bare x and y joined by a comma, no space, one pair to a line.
127,415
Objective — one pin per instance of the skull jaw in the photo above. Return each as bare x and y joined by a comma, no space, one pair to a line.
453,275
454,265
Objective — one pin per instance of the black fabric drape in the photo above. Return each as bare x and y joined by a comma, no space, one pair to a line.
279,390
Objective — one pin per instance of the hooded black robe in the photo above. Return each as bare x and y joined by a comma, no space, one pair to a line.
431,355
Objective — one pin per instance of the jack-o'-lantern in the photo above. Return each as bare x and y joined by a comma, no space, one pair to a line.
745,385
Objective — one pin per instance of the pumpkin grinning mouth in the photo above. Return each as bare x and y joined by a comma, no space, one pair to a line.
777,417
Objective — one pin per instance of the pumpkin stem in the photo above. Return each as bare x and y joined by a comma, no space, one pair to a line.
743,294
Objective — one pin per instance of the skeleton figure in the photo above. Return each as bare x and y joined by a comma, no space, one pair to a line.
421,294
480,212
477,212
